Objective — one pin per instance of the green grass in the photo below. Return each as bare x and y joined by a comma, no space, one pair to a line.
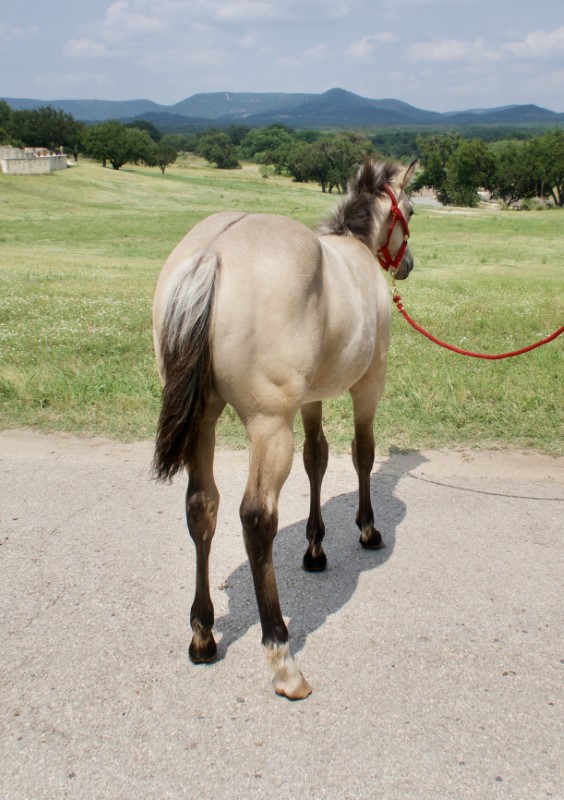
80,252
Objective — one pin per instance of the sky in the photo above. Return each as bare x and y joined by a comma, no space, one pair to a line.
440,55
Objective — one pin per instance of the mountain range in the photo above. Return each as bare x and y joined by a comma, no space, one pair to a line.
336,108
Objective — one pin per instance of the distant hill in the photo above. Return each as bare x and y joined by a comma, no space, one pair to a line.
335,108
91,110
508,114
236,105
342,108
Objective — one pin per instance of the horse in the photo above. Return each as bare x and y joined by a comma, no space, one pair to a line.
260,312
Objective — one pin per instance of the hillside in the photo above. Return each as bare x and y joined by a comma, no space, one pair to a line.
336,108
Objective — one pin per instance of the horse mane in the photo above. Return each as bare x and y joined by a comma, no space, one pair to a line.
354,216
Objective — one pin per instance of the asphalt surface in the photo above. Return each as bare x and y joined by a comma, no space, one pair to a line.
437,664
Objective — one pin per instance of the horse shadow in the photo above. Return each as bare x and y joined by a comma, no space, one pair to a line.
309,599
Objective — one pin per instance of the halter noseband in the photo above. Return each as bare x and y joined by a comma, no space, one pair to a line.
383,255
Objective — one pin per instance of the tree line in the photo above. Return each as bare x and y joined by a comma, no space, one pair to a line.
109,142
512,170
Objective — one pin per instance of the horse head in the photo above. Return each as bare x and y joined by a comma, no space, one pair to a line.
376,210
393,252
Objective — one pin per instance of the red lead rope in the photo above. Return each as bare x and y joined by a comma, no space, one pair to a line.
403,312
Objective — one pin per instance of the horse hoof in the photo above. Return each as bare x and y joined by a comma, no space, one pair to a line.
372,540
288,681
313,563
295,691
202,652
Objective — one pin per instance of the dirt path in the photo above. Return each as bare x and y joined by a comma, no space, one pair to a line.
436,663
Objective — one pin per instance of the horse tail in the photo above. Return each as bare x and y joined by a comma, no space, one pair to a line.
185,344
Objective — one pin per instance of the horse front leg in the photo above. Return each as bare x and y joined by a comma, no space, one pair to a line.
202,501
271,459
365,397
316,454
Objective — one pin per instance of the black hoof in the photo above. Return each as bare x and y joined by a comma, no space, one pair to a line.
374,541
314,563
204,654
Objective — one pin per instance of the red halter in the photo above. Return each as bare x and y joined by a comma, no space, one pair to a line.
383,255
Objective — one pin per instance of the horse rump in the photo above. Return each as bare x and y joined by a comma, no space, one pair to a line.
186,362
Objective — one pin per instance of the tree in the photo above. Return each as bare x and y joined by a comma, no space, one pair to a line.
332,159
165,154
399,143
512,178
345,152
455,168
181,142
114,142
319,163
217,148
237,133
308,135
297,160
47,127
329,160
142,149
435,152
469,167
6,116
261,144
107,141
532,168
148,127
547,156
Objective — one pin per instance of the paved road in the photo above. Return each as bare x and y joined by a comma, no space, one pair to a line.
436,663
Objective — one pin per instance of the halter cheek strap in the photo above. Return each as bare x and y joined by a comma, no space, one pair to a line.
383,255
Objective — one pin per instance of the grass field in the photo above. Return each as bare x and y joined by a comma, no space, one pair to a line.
80,252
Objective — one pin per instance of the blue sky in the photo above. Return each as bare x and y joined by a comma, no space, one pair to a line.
440,55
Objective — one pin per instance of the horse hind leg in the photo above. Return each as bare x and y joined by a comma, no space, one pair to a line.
271,459
316,454
202,501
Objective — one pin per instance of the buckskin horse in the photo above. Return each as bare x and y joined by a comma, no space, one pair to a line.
258,311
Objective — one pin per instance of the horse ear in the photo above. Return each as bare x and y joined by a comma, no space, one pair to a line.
408,175
365,180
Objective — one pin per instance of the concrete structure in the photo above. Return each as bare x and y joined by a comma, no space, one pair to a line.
31,161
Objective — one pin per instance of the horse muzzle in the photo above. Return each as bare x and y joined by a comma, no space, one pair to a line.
405,267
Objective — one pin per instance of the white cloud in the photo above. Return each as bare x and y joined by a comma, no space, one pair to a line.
85,48
10,33
432,53
422,3
206,56
255,11
443,51
538,45
122,16
364,49
247,10
123,29
317,53
478,54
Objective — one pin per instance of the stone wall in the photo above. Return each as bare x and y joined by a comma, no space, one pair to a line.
7,151
21,162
